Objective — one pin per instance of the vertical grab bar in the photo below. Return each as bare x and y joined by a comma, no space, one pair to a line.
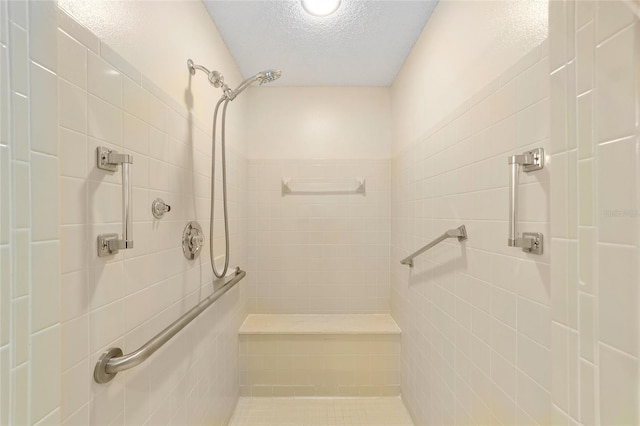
530,242
109,160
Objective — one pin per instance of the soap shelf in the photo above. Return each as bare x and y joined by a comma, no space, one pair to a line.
323,186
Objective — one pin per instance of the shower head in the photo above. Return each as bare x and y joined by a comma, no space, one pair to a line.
262,77
217,80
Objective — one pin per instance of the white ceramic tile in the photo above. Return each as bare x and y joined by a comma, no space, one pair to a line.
74,389
42,33
105,325
77,31
534,400
612,17
45,373
72,107
135,100
72,60
618,297
104,121
585,132
103,80
20,394
17,12
505,101
21,331
585,12
533,84
20,123
618,387
135,134
157,113
615,82
585,63
21,263
73,248
557,34
586,254
72,154
44,110
74,298
106,284
44,197
617,214
113,58
45,285
558,108
533,123
19,59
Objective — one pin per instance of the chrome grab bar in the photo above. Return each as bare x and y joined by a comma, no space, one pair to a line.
530,242
460,233
112,361
109,160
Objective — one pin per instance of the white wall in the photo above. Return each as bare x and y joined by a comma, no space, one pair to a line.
475,316
595,230
157,37
319,123
30,345
123,300
319,253
463,47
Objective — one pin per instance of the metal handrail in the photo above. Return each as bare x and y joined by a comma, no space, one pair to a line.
112,361
460,233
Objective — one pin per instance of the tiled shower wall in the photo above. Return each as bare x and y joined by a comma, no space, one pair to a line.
125,299
319,253
475,316
594,59
29,231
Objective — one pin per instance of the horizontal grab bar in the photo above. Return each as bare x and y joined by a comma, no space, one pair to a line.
323,186
460,233
112,361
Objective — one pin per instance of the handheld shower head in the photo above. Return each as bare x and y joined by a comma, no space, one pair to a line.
262,77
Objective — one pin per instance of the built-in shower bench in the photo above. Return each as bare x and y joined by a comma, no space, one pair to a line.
320,355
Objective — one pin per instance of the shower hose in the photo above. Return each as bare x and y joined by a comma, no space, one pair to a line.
224,188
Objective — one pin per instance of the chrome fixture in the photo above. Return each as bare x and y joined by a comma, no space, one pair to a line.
460,233
159,208
530,242
109,160
323,186
192,240
112,361
228,95
217,79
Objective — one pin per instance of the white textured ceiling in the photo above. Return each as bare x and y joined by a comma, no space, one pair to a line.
364,43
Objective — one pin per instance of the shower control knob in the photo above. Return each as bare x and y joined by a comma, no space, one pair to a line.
159,208
192,240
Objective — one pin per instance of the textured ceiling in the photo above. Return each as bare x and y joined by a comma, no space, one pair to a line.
364,43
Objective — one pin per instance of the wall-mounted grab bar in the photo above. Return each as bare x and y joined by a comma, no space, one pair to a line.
110,160
531,242
460,233
323,186
112,361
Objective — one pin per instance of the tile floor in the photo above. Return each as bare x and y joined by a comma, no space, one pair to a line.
388,411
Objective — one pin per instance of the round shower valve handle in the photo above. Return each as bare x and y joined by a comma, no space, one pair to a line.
197,241
159,208
192,240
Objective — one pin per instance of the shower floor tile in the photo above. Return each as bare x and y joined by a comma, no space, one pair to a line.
320,412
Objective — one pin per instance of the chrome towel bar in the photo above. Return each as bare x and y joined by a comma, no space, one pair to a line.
112,361
460,233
